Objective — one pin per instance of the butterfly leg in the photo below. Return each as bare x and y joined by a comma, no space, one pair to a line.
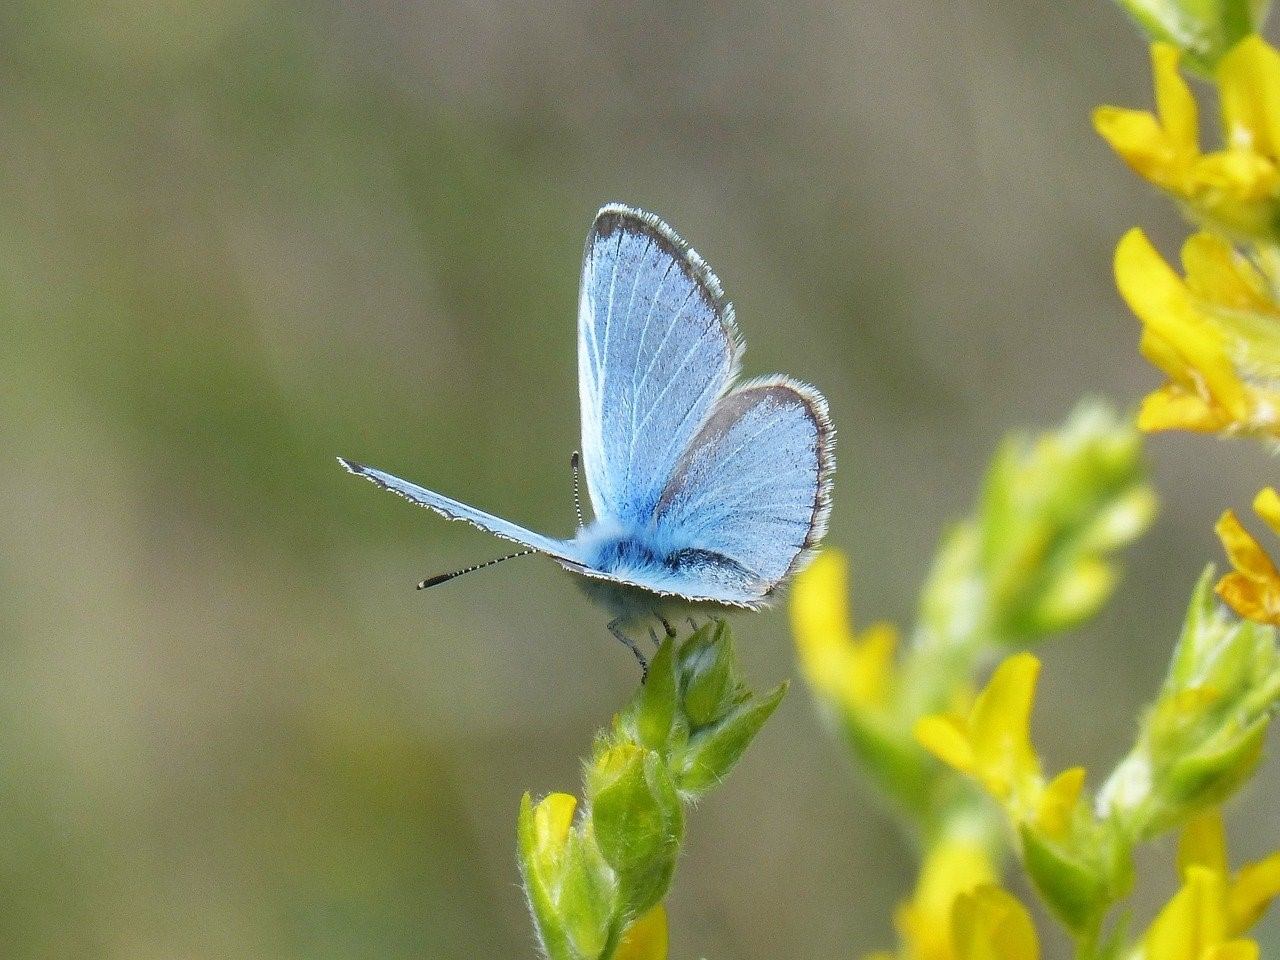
666,625
616,629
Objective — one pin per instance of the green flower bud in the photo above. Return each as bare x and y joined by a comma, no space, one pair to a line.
1203,29
638,821
543,835
1202,738
588,892
654,710
1036,558
1075,889
1053,510
710,679
1208,776
712,751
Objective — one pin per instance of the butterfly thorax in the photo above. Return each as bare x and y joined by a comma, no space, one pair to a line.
646,553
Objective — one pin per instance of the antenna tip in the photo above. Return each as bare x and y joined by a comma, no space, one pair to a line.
575,460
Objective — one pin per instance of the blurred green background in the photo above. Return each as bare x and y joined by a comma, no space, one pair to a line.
240,237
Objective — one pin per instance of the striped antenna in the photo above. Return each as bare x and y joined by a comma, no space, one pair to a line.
441,578
574,462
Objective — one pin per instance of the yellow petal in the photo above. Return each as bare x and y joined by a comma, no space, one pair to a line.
1163,355
1235,950
1173,408
1175,104
552,818
1249,80
947,738
1203,843
1058,801
1216,273
1249,599
1000,726
1163,303
1244,552
646,938
820,621
1192,922
871,672
1139,140
1267,505
990,924
952,867
1252,891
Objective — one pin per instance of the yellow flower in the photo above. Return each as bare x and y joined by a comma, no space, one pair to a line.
1216,335
1208,914
1253,588
990,924
1236,188
992,741
1057,834
856,670
958,913
951,869
552,819
646,938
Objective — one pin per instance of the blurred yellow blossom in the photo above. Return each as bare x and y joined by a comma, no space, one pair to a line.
1252,589
855,669
1236,188
958,913
1216,335
1249,892
1067,854
990,924
991,741
1208,914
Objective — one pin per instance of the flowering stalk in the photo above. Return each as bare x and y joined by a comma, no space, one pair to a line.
1197,744
595,882
1034,559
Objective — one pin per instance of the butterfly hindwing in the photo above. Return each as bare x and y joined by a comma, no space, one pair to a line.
657,347
749,497
446,506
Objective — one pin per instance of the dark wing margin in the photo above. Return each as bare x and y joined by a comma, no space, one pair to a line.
754,486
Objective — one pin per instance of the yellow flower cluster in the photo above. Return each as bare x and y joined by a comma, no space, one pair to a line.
1216,332
1235,189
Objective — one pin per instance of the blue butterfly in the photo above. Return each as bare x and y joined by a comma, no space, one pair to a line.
704,493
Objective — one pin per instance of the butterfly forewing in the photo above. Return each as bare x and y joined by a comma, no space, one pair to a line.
448,507
657,347
752,487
